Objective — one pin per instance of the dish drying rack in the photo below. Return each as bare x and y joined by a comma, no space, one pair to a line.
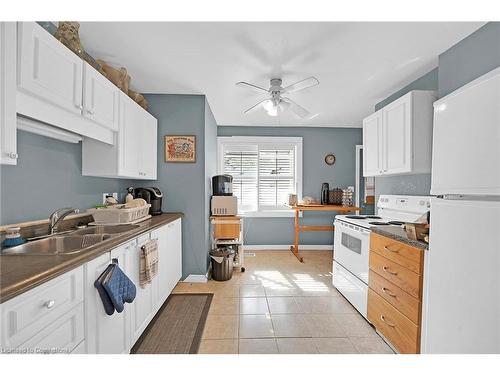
118,214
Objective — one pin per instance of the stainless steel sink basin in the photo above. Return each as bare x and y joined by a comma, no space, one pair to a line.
106,229
56,245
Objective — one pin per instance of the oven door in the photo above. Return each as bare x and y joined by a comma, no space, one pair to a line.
351,248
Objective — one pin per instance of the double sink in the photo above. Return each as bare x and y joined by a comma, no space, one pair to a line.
70,243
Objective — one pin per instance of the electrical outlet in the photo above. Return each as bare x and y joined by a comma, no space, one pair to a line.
104,195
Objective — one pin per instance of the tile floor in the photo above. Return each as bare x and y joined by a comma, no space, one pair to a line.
282,306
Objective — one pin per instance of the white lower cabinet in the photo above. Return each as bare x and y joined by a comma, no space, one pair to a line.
170,259
106,334
66,315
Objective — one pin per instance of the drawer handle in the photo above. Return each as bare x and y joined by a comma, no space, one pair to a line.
386,269
49,304
388,292
391,250
386,322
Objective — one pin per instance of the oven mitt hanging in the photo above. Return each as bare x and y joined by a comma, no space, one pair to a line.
119,288
106,301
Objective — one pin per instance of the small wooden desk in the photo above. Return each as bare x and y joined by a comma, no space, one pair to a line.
314,228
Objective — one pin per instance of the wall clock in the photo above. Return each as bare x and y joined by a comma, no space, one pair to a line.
330,159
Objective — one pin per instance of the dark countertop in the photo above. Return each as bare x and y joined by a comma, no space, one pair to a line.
20,273
399,234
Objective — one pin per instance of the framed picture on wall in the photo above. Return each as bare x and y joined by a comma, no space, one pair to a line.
180,149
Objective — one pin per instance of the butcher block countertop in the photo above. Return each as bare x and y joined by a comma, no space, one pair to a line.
399,234
20,273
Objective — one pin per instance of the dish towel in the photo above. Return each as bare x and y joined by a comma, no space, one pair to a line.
148,262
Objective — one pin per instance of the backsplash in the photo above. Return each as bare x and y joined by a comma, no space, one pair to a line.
49,176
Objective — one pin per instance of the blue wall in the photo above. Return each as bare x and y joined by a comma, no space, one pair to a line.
470,58
184,185
317,142
48,176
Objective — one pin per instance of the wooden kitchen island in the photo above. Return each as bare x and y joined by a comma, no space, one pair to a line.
314,228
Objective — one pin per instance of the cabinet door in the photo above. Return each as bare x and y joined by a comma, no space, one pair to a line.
143,306
372,141
106,334
170,258
129,139
149,146
8,140
397,136
100,99
47,69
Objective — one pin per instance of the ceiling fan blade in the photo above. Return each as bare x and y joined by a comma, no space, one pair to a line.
295,108
252,86
301,85
257,106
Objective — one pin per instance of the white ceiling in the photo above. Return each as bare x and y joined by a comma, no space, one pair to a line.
357,63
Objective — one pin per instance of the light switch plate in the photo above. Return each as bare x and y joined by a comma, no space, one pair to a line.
104,195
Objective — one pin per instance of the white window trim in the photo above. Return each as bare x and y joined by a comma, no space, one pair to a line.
296,141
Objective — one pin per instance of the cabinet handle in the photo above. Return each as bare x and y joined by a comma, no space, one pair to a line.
90,111
12,155
391,250
79,106
49,304
388,292
386,269
382,318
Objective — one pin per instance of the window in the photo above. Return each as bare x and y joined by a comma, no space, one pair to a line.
265,170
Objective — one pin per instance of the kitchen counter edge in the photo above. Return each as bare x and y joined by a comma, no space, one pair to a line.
64,263
399,234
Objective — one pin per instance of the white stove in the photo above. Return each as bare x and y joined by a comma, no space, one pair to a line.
352,242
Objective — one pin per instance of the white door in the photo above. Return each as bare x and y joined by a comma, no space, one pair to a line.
466,139
461,302
100,99
8,127
129,139
372,140
149,155
143,306
106,334
397,136
47,69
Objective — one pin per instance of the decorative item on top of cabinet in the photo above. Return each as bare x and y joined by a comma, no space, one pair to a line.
8,127
397,139
67,34
119,77
395,294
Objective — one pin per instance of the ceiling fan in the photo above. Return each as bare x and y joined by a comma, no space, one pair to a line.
277,102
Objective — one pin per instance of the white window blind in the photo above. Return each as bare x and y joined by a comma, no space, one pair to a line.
265,170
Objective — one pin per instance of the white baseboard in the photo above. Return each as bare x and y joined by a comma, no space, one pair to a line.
196,279
286,247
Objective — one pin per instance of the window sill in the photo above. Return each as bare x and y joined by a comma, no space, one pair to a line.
289,214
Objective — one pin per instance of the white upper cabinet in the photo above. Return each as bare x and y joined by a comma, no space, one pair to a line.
51,86
100,99
8,140
372,144
397,139
397,131
134,153
48,69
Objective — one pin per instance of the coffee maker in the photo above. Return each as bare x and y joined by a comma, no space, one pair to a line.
151,195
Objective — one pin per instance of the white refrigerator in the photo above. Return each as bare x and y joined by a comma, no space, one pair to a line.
461,302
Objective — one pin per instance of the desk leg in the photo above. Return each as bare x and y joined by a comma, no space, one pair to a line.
295,248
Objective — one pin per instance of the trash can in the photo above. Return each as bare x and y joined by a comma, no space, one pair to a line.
222,263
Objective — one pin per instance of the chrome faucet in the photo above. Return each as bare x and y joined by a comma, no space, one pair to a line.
57,216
